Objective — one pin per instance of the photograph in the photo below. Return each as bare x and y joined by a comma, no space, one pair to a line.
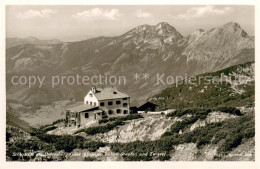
158,83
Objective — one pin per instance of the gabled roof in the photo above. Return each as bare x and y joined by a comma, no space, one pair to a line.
109,93
83,107
137,103
148,103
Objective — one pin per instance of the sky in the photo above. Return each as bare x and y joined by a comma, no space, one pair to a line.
73,23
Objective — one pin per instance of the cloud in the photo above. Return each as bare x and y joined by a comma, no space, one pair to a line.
199,12
44,13
141,14
97,14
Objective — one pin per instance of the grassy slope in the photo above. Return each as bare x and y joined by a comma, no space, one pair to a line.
189,95
227,134
12,120
241,128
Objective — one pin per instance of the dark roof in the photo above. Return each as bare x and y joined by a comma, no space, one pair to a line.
137,103
81,108
148,103
109,93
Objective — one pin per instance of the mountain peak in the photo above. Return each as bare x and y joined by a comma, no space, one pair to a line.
143,27
154,31
163,24
234,27
220,41
165,29
232,24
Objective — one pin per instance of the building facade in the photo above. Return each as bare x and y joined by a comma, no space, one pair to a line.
97,103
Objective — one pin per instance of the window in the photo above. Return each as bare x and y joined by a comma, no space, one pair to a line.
90,103
125,111
95,103
86,102
110,112
102,103
118,102
118,111
86,115
90,95
110,103
125,104
125,98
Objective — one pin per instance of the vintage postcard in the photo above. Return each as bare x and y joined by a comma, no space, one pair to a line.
129,83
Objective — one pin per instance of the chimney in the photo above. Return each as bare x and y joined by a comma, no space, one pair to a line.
93,89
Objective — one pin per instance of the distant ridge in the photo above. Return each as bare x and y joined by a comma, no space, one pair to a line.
12,42
152,49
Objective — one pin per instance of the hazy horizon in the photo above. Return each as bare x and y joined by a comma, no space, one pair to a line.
75,23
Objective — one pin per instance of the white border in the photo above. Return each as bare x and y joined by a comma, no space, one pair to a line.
125,165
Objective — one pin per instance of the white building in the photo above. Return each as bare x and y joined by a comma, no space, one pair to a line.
99,102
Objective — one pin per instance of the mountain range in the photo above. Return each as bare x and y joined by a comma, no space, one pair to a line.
12,42
152,49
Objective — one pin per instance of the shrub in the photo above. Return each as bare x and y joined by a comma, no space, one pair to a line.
105,120
104,116
20,146
8,136
123,118
58,121
203,112
202,141
164,157
103,129
44,130
181,125
230,110
115,121
92,145
90,159
164,145
230,143
193,111
66,142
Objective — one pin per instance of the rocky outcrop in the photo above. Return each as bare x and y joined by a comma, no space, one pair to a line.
149,128
212,118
